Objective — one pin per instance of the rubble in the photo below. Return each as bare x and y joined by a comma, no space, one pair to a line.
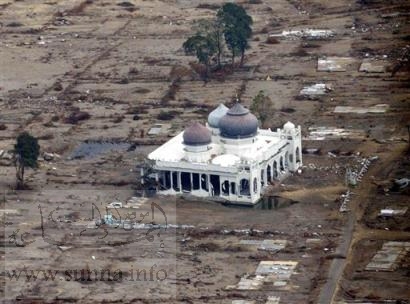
275,272
310,34
388,257
315,90
322,133
266,245
387,212
376,109
370,66
334,64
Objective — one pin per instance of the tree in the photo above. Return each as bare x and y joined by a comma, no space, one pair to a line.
202,47
26,151
214,30
237,28
262,106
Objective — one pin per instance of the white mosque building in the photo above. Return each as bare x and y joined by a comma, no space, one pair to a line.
229,159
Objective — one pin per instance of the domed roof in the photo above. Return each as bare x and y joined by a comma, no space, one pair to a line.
196,135
238,123
215,116
288,126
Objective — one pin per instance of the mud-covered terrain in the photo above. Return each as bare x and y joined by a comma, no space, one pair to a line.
90,79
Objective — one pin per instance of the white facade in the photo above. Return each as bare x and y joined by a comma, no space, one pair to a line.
227,168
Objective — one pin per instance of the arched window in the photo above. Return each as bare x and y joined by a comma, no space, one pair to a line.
255,185
244,187
298,156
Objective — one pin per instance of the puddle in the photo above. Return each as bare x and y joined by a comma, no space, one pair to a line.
274,203
91,149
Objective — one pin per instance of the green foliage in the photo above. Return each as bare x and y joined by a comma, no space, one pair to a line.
232,26
28,149
214,30
237,28
262,106
202,47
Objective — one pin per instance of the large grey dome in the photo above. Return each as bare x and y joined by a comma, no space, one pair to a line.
215,116
238,123
196,135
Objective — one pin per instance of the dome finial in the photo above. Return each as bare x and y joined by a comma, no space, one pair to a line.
237,98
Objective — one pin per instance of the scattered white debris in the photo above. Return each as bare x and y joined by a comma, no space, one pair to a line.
114,205
273,300
334,64
379,108
322,133
266,245
315,90
278,272
306,33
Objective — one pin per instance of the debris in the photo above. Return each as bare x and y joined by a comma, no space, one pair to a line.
387,258
266,245
334,64
392,212
115,205
402,182
368,66
64,248
50,156
315,90
379,108
273,300
322,133
311,34
267,272
155,130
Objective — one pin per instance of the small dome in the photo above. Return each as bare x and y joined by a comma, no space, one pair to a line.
215,116
238,123
196,135
288,126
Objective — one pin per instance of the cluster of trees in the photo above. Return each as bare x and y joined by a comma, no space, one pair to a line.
231,27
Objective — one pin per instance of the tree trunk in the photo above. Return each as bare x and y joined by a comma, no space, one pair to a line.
219,57
19,173
233,60
242,57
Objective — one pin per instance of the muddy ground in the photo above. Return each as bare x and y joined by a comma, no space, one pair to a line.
107,71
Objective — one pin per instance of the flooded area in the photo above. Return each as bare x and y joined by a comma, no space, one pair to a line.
91,149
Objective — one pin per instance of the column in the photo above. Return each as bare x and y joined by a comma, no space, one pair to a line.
172,179
192,184
179,181
142,175
208,182
156,181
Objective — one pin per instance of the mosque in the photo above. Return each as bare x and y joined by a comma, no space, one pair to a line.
230,159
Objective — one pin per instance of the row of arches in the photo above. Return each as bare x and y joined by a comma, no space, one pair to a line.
279,166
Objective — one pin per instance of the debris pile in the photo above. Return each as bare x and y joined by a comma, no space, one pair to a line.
276,272
310,34
333,64
389,256
315,90
266,245
376,109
